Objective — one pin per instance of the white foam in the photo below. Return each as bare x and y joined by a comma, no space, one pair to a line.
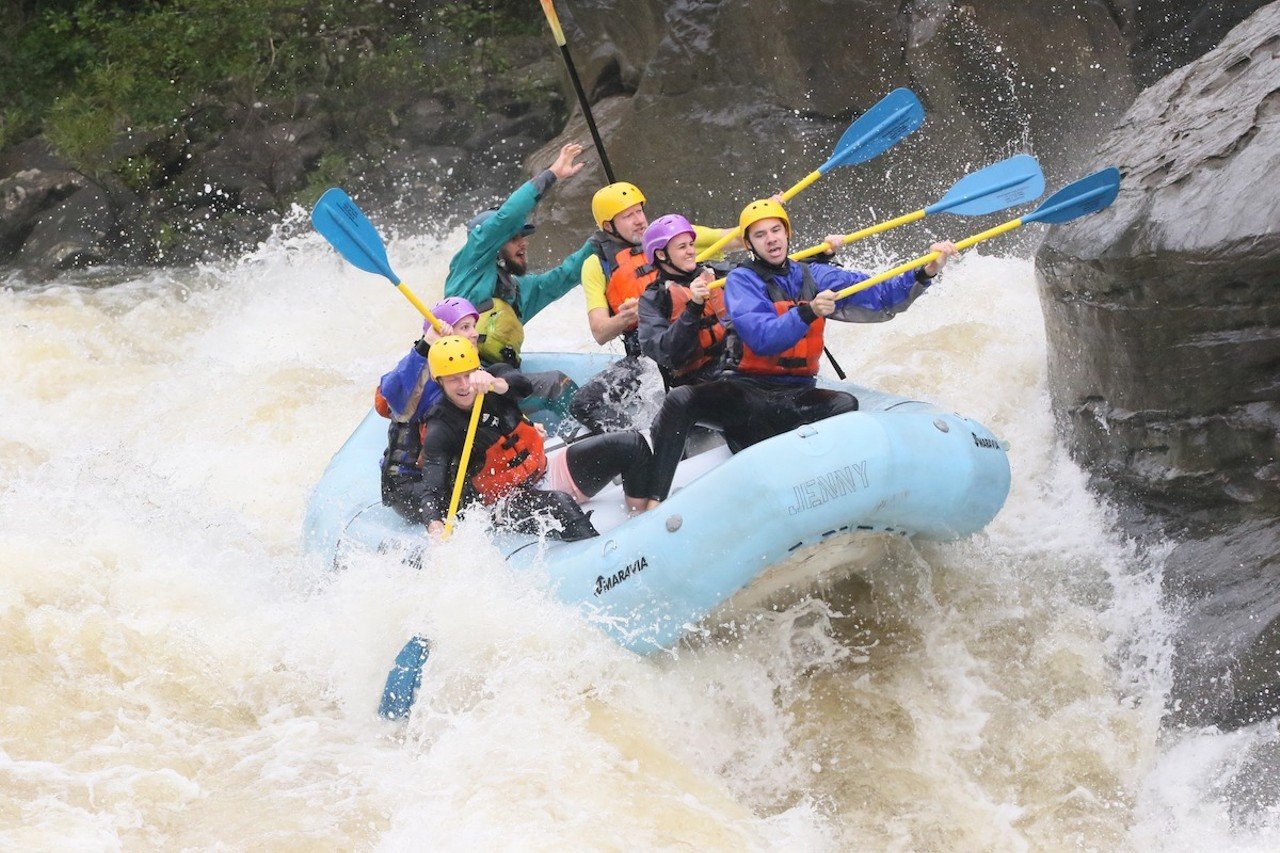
178,674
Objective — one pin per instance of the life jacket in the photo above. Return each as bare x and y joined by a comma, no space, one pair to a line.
380,403
711,328
802,358
627,273
403,457
515,459
500,326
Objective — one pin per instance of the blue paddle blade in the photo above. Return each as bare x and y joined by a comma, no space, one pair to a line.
404,679
349,231
877,130
1085,196
998,186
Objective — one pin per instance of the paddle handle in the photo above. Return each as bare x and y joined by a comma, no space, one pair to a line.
549,9
904,219
554,20
418,303
804,182
463,462
927,259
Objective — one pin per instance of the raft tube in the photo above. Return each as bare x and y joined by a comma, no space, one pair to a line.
895,466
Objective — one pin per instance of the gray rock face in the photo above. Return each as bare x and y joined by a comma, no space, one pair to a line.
719,103
1163,318
1162,311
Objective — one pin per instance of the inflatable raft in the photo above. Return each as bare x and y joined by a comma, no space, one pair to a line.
896,466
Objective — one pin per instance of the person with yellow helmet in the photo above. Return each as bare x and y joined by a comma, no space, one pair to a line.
614,277
509,469
776,310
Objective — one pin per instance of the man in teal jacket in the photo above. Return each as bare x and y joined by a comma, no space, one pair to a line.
490,270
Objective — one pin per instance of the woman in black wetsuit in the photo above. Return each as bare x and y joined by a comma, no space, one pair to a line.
508,468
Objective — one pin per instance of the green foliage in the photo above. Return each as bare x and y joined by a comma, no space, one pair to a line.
332,170
84,71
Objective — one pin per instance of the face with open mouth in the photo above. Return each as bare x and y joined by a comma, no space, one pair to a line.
768,239
515,254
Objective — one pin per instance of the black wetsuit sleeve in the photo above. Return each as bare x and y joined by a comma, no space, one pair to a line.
441,449
519,386
670,344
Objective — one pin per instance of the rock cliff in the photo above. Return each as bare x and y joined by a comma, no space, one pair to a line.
1163,319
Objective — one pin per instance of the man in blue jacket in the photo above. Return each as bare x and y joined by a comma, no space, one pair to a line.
777,311
490,269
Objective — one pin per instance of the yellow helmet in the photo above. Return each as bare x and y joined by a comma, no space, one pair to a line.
765,208
451,355
611,200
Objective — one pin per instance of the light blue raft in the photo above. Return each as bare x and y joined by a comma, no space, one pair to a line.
895,466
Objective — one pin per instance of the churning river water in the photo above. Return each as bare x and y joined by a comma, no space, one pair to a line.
176,673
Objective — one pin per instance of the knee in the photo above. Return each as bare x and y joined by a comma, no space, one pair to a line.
844,403
679,398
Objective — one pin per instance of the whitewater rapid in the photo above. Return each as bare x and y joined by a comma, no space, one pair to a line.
177,673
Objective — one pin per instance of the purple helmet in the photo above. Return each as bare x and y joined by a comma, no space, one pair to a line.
662,231
451,310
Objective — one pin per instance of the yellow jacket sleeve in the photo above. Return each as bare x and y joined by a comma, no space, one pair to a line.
593,284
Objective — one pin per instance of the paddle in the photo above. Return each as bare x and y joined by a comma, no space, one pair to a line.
999,186
462,464
1087,195
404,679
349,231
549,9
873,133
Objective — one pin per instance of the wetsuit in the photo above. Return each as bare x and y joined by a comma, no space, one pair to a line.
504,434
771,385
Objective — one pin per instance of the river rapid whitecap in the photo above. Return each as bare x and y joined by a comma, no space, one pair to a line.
178,673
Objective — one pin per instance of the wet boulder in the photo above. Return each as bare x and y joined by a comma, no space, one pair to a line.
1162,315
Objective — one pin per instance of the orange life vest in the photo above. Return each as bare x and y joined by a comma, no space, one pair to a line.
515,459
380,403
627,274
801,359
630,275
711,330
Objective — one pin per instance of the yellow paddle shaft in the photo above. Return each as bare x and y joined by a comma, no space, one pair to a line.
417,303
804,182
904,219
927,259
733,232
549,9
463,462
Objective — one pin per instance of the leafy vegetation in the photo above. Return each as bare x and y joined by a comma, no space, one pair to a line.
84,72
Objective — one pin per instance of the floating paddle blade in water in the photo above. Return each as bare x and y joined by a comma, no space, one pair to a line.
404,679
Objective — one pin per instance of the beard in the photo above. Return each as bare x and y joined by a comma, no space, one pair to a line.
514,265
